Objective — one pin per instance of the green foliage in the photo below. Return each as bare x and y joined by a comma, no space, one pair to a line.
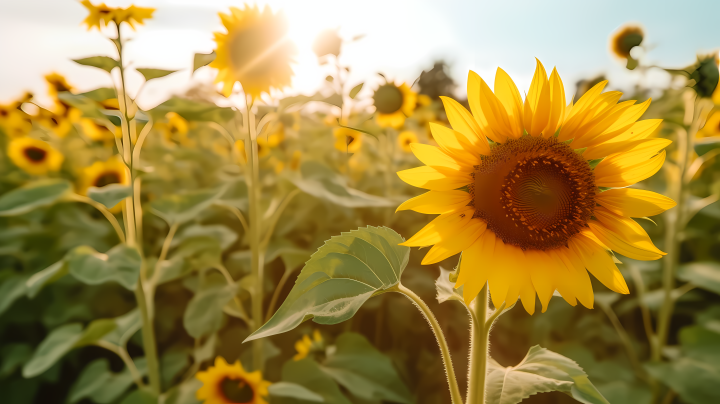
180,208
705,275
355,90
150,74
293,390
202,59
193,110
101,62
33,195
204,312
109,195
121,264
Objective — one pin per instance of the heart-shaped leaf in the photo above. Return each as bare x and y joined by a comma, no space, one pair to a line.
47,275
308,374
150,74
101,62
179,208
33,195
204,313
110,195
705,275
540,371
120,264
341,275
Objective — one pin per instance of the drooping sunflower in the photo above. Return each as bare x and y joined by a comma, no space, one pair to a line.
347,140
34,156
306,345
255,51
543,202
101,15
231,384
393,104
102,173
405,139
624,39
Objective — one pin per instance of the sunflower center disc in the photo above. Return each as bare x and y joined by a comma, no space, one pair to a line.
107,179
534,193
237,390
35,154
388,99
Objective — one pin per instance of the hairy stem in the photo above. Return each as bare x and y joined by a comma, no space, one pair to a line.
479,336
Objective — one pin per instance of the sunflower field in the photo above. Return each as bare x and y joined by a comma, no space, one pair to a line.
401,242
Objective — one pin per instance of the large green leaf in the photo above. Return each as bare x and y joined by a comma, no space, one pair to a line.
139,397
109,195
341,275
150,74
307,373
225,235
364,371
86,103
695,381
204,313
13,356
125,326
98,383
179,208
47,275
540,371
12,289
120,264
100,94
184,393
446,289
294,390
33,195
193,110
321,182
704,275
101,62
700,343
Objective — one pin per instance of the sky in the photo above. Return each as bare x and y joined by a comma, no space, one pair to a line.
401,39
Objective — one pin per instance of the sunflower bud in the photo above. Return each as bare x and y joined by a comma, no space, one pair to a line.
388,99
702,75
327,43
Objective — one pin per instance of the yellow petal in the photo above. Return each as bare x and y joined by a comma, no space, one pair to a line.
454,243
578,111
563,277
502,275
536,114
494,111
435,157
541,274
625,121
623,169
458,146
507,93
638,130
462,121
436,179
600,263
576,278
476,265
634,202
440,228
436,202
626,229
557,105
589,132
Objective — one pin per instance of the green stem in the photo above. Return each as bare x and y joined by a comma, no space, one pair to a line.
455,396
479,336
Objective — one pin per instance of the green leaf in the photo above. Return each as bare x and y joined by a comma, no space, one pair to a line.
307,373
540,371
13,356
101,385
355,90
100,94
181,207
12,289
200,252
705,275
121,264
150,74
364,371
367,132
139,397
125,326
223,234
335,99
101,62
193,110
202,59
110,195
446,289
341,275
204,312
52,348
269,351
184,393
33,195
44,277
88,106
700,343
95,331
695,381
293,390
171,364
321,182
595,162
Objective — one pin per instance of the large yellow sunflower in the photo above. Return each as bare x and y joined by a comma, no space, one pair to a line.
102,173
393,104
231,384
255,51
530,209
34,156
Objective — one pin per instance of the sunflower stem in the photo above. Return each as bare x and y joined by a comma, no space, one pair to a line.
455,396
479,336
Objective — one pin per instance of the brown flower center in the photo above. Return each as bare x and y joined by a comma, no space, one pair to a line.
107,178
349,139
237,390
533,193
35,154
388,99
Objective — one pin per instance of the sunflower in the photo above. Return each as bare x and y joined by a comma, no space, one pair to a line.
101,15
133,15
98,132
347,140
405,139
255,51
393,104
57,84
175,130
34,156
295,160
625,39
328,42
14,121
102,173
229,384
546,199
60,122
306,345
712,126
240,149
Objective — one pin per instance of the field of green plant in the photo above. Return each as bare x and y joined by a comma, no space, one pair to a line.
235,244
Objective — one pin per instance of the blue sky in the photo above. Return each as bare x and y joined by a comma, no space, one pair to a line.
402,38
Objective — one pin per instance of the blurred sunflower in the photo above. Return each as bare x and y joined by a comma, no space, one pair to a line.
295,160
34,156
101,15
14,121
347,140
61,122
405,139
393,104
625,39
240,149
102,173
228,384
57,84
306,345
133,15
528,210
175,129
255,51
328,42
712,126
98,132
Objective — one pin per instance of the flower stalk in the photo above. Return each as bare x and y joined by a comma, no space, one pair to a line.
479,336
